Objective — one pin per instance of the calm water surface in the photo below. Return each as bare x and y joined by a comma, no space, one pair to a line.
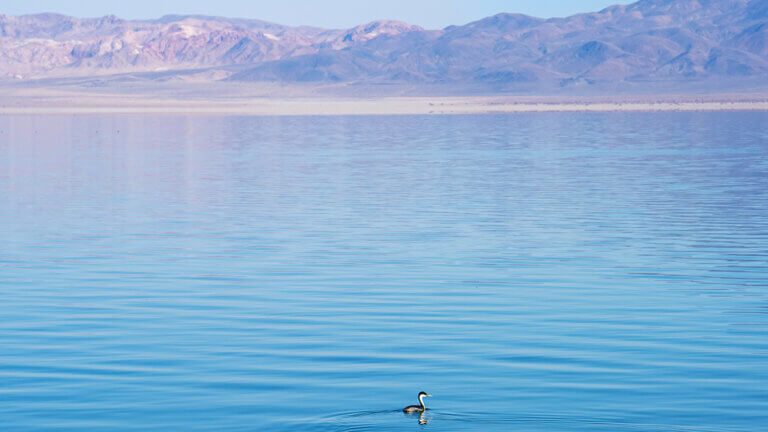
537,272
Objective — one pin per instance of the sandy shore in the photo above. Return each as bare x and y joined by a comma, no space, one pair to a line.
41,102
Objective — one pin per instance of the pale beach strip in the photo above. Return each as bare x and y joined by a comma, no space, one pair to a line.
326,106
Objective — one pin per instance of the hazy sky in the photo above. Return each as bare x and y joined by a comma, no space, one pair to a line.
321,13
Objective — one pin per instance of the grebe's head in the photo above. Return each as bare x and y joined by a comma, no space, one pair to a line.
422,394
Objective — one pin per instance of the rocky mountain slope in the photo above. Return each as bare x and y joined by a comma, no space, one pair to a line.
649,41
56,45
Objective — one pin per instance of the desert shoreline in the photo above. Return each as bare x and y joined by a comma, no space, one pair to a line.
284,106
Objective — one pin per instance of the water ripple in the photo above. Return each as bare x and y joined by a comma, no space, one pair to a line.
569,272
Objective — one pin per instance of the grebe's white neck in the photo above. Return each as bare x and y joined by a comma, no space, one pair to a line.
421,400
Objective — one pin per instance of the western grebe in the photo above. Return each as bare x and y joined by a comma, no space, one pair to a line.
417,408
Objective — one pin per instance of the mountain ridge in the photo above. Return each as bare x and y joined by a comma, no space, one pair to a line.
646,42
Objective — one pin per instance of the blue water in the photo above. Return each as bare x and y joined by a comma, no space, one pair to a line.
534,272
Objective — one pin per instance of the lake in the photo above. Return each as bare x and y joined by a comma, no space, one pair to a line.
533,272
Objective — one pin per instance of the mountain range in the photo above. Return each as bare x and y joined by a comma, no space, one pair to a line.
649,42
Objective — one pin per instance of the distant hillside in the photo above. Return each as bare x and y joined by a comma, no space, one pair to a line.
651,41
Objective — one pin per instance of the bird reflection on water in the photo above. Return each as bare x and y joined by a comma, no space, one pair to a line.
423,418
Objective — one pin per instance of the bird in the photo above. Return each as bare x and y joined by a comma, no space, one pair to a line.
417,408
